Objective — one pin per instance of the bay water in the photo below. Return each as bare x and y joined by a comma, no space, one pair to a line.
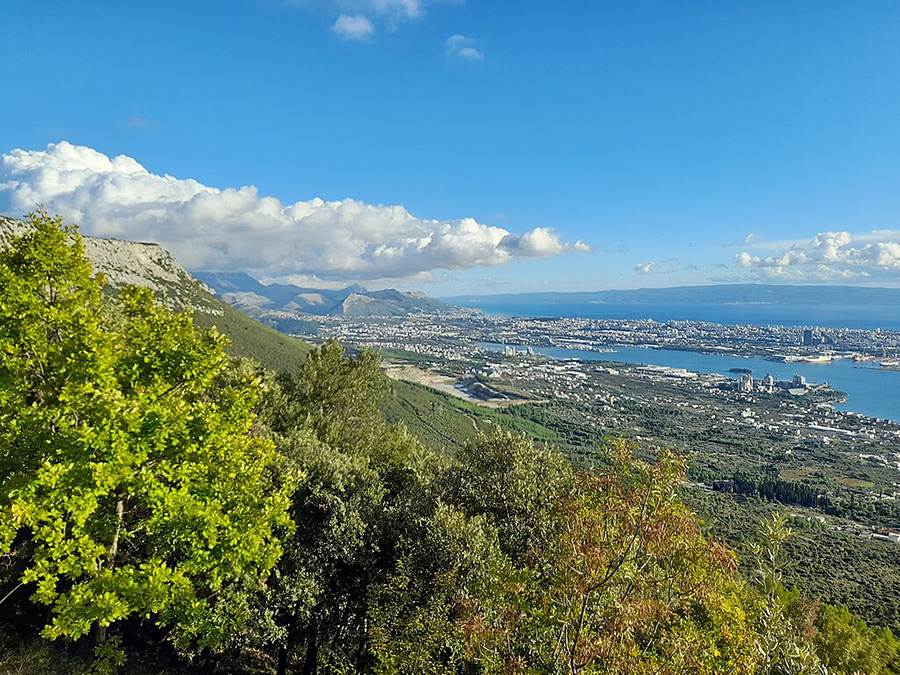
870,390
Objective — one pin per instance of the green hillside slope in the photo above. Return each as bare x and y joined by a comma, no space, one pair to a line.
445,422
251,339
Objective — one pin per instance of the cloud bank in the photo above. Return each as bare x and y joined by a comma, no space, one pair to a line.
831,255
213,229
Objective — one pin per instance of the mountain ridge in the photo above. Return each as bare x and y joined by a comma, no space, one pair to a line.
270,302
136,263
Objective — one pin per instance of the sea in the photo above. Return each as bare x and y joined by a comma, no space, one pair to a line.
870,390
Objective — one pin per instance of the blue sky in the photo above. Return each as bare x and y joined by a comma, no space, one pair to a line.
680,143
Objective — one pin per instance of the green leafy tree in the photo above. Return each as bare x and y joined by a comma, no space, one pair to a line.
417,618
504,476
366,491
334,396
132,482
846,645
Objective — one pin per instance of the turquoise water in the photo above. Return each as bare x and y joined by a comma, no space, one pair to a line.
871,391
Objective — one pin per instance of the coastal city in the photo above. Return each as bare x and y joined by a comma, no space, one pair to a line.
379,337
498,361
464,334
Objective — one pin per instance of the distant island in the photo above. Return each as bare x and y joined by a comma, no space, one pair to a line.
720,294
756,304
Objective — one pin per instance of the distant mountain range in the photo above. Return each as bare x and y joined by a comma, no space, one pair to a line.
281,304
725,294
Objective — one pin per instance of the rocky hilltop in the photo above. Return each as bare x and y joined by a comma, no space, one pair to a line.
152,266
231,301
126,263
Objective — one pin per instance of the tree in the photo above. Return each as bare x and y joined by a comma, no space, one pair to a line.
133,483
783,624
846,644
366,491
334,396
417,615
621,581
505,477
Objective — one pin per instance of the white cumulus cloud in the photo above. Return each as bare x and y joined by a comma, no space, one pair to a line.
831,255
236,228
353,27
461,47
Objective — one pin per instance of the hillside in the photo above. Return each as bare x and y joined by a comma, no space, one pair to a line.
511,504
251,339
146,264
438,420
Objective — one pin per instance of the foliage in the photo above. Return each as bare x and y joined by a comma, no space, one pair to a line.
845,644
784,635
335,397
773,488
505,477
797,635
624,583
133,485
366,491
416,616
835,564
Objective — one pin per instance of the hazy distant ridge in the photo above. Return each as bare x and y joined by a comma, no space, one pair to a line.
270,302
724,294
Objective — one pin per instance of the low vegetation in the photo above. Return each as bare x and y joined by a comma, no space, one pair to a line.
166,507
